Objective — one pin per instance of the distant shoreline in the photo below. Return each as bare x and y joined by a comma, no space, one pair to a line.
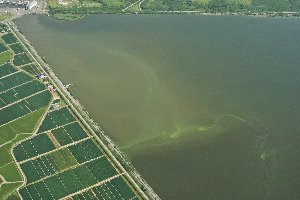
77,17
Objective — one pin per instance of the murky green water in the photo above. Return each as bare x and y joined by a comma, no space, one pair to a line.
206,107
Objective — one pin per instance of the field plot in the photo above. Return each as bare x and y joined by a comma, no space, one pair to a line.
6,69
22,125
21,59
24,107
32,69
17,48
3,48
5,57
16,94
56,118
85,151
13,80
10,134
69,133
9,38
114,189
33,147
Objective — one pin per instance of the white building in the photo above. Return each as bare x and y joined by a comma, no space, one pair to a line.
31,5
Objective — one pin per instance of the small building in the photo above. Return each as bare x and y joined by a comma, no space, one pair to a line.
40,76
51,88
31,5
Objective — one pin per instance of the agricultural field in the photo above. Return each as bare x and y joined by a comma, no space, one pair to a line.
69,163
3,48
23,101
21,59
31,69
9,38
5,57
45,151
17,48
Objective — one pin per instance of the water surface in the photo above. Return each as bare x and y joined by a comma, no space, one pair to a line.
206,107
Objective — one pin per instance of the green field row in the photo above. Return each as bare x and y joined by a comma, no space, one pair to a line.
13,81
3,48
32,69
9,38
24,107
5,57
10,134
35,146
69,133
21,92
21,59
55,119
114,189
6,69
17,48
70,181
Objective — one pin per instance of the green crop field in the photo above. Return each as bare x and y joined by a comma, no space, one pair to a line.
24,107
21,59
115,189
67,161
25,124
69,133
18,93
56,118
3,48
6,69
9,38
14,80
85,151
5,57
17,48
32,69
10,134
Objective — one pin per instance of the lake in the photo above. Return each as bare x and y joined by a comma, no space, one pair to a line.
205,107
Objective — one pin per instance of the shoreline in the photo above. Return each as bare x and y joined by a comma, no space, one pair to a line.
74,17
256,14
111,150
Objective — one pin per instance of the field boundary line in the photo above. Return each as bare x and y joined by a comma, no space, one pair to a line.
92,186
16,86
67,169
25,98
20,117
9,75
55,127
14,139
6,165
138,1
65,146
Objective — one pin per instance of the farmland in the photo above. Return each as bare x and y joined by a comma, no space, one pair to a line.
45,151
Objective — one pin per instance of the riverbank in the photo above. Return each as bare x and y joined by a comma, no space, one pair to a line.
76,17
